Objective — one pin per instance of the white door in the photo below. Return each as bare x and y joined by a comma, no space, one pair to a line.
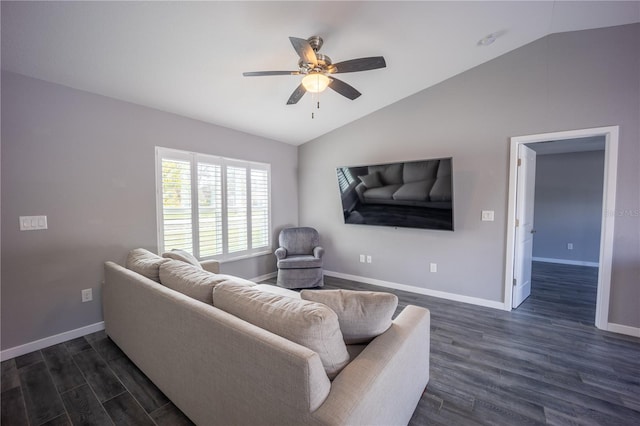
526,177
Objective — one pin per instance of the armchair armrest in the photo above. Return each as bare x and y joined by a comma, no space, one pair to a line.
212,266
318,252
281,252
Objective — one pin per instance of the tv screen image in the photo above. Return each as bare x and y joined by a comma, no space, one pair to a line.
410,194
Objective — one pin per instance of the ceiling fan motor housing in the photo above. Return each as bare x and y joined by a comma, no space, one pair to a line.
315,42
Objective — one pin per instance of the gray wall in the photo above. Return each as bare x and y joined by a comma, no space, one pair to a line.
568,206
561,82
87,162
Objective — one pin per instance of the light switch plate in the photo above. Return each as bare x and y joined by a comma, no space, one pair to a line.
33,223
487,215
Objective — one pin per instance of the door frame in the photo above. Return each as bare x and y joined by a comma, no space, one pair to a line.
610,134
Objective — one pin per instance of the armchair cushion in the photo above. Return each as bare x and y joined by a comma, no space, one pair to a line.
299,240
300,262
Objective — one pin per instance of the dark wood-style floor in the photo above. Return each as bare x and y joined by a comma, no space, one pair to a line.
543,363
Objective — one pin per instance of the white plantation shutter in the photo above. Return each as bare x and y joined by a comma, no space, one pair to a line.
176,205
210,209
212,206
345,178
237,223
259,208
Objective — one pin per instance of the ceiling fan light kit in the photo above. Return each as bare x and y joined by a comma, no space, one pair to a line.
315,82
318,70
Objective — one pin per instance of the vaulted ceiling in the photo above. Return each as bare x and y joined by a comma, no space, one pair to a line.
188,57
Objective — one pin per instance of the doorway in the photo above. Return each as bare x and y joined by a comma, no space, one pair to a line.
518,262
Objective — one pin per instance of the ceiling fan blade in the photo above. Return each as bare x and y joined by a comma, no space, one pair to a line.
361,64
344,89
263,73
296,95
304,50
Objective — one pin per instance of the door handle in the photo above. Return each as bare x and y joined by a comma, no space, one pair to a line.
533,231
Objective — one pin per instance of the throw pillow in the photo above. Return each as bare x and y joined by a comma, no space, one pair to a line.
145,263
363,315
183,256
192,281
372,180
309,324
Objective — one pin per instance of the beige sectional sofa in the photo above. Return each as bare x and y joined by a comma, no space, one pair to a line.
220,369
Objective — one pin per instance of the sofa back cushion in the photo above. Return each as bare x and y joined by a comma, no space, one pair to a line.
192,281
145,263
363,315
309,324
416,171
390,174
441,190
183,256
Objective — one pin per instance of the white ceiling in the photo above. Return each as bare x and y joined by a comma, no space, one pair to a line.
188,57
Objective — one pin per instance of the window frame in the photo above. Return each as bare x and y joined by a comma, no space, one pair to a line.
194,158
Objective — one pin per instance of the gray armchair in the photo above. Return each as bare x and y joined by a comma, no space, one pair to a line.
299,258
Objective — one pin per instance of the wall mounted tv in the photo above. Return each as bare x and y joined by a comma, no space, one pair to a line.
411,194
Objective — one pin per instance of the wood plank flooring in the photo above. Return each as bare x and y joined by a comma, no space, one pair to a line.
544,363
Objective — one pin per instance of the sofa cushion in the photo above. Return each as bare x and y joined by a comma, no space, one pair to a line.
444,168
363,315
183,256
414,191
390,174
441,190
194,282
372,180
382,193
419,170
309,324
274,289
145,263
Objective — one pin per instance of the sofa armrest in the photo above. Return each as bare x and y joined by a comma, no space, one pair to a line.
211,266
360,188
394,365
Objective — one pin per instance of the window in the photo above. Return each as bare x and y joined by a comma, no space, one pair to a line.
345,178
212,206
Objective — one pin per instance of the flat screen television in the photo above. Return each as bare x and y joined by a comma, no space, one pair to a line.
410,194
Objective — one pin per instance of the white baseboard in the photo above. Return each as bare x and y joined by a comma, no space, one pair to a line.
624,329
565,261
264,277
419,290
50,341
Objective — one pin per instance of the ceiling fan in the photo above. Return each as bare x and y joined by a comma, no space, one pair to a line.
318,70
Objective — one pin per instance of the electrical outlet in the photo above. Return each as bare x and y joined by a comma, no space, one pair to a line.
569,246
433,267
87,295
368,259
362,258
